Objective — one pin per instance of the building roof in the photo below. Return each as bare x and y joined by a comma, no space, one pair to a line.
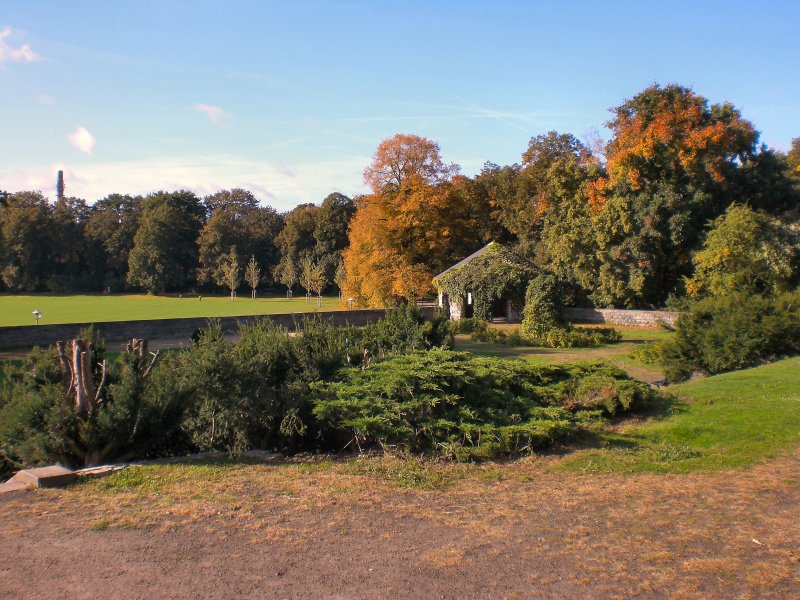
461,263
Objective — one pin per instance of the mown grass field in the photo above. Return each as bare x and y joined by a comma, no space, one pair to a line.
17,310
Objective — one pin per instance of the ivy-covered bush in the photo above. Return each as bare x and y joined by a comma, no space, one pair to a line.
544,324
732,332
544,304
465,407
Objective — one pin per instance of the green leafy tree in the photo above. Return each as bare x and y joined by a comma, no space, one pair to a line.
110,231
332,221
285,272
164,255
27,230
230,271
252,275
295,241
675,161
746,251
69,265
235,219
793,157
313,276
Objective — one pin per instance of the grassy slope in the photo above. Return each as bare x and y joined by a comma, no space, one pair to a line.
16,310
726,421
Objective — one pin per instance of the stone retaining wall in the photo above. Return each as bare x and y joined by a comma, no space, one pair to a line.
27,336
613,316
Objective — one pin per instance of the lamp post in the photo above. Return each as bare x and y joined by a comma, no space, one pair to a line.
349,304
37,315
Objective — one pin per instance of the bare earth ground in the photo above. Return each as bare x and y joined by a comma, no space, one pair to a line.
344,529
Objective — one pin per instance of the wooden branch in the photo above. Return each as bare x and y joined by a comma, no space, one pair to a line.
102,382
152,363
81,405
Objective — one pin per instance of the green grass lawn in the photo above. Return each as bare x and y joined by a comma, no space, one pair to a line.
727,421
17,310
616,354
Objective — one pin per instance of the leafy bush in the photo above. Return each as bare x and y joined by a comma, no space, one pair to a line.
543,322
746,251
651,353
404,328
573,337
467,325
482,332
468,407
732,332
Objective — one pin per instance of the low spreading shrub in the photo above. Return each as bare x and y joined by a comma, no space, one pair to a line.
467,325
732,332
467,407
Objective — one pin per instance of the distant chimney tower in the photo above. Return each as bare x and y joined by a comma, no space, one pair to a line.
60,186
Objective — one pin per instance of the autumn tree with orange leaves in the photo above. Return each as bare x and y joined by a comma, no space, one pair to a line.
416,221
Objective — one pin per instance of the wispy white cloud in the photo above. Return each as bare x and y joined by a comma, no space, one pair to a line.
83,140
215,114
46,99
281,185
9,53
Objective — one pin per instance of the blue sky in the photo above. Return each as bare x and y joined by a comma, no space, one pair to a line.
290,99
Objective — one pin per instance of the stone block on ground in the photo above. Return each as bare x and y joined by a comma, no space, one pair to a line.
14,486
44,477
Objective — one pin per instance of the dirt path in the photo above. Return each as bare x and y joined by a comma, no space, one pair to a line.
507,531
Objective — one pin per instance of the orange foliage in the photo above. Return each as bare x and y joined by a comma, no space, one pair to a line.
596,192
405,159
673,128
405,231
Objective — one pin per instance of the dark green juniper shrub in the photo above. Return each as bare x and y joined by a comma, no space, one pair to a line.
732,332
465,407
128,415
404,328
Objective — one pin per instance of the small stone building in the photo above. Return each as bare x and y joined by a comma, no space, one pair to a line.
503,310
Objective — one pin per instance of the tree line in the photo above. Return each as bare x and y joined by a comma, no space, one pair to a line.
168,242
623,222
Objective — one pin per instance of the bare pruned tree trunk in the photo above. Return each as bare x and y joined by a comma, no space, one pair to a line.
78,368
